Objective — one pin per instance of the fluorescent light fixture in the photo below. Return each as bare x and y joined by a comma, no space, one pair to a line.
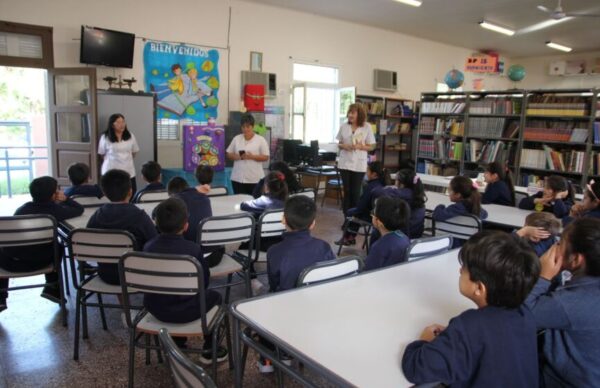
496,28
414,3
557,46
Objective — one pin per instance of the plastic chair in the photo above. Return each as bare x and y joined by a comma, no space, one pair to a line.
184,372
151,196
330,270
460,227
167,274
427,247
28,230
101,246
232,229
218,191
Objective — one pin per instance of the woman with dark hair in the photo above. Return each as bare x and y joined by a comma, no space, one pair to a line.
292,183
118,147
355,141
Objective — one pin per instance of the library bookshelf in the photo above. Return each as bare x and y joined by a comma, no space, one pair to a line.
535,133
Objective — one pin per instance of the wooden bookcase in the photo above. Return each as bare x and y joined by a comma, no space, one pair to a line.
536,133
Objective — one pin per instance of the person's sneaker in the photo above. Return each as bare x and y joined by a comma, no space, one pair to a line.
346,241
206,355
256,285
264,365
52,294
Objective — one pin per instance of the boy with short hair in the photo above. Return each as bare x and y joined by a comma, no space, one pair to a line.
79,175
46,199
151,172
172,222
120,215
297,251
204,176
390,217
494,345
541,229
176,185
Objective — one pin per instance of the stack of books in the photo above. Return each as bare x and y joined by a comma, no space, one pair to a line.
486,126
556,131
557,106
499,106
594,164
442,107
427,125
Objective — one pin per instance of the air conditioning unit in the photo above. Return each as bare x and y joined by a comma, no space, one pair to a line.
385,80
259,78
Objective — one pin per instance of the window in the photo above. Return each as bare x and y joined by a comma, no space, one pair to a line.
313,103
26,45
167,129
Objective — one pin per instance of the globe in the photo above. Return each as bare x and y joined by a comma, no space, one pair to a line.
454,79
516,73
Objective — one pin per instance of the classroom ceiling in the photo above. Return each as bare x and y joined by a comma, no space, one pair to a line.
456,22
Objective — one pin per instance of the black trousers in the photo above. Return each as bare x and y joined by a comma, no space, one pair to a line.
41,256
352,183
133,187
242,188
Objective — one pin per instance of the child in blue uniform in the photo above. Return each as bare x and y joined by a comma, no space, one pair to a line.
275,193
377,177
556,198
120,215
540,230
176,185
171,220
491,346
79,175
589,207
151,172
568,314
297,250
467,200
290,179
46,199
500,189
390,217
409,188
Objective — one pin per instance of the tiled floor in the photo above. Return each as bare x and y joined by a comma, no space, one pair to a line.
36,350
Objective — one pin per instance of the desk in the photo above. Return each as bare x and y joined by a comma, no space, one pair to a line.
221,206
500,215
337,330
221,178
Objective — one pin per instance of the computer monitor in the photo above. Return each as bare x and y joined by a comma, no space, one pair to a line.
290,151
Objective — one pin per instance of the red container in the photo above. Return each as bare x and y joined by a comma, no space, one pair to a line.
254,98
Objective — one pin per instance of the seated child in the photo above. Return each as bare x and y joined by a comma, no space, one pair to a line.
176,185
491,346
556,198
275,193
119,214
297,251
589,207
390,217
79,175
199,208
500,189
467,200
290,178
409,188
540,230
152,174
46,199
171,221
377,177
569,313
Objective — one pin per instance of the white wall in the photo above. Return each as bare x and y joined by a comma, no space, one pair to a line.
276,32
537,72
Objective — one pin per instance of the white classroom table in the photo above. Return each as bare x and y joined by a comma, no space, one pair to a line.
353,331
221,206
497,214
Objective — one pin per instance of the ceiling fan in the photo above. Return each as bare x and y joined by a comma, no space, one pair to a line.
558,12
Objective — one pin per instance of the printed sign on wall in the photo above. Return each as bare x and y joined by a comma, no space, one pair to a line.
184,78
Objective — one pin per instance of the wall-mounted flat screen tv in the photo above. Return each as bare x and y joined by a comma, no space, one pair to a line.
100,46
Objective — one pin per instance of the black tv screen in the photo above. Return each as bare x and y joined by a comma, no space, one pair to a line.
106,47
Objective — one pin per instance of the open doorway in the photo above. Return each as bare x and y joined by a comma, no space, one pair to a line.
23,132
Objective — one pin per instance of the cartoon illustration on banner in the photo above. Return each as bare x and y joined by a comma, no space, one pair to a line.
184,78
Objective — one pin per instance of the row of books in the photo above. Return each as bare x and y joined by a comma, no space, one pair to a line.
548,158
374,108
557,106
501,106
440,149
491,151
529,180
393,128
575,135
598,109
431,168
486,126
452,127
596,132
442,107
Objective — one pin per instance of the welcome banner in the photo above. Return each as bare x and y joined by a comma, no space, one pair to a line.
185,80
